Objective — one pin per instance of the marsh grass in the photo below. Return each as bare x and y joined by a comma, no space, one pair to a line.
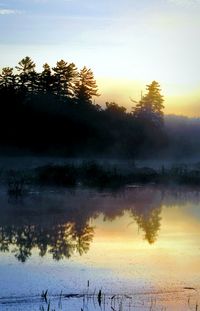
98,300
88,174
93,175
101,301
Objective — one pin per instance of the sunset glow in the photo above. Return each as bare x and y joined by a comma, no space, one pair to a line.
126,43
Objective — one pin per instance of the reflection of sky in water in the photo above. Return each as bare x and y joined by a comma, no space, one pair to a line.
135,240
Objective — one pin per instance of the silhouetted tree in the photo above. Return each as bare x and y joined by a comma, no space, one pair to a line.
46,79
27,75
86,87
7,78
114,108
9,94
150,107
65,78
26,65
149,119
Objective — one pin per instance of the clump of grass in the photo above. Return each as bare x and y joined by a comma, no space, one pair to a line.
143,175
48,307
94,175
44,295
57,174
99,297
180,174
87,174
16,183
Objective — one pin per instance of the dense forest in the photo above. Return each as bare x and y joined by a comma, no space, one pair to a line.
53,112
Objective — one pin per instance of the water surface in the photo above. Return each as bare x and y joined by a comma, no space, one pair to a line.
139,245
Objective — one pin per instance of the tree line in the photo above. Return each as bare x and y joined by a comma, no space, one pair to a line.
53,111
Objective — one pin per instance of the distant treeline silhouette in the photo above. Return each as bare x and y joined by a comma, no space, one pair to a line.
53,111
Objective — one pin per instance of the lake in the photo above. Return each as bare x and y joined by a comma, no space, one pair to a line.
137,248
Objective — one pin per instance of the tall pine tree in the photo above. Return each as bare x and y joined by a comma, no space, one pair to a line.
150,107
86,87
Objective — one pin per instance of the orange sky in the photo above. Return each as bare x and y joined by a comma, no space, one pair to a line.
178,99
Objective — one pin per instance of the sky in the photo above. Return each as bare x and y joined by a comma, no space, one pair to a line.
126,43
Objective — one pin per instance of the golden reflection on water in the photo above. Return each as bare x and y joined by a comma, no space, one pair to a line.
171,258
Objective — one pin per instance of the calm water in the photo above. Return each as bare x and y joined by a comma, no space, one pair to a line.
140,246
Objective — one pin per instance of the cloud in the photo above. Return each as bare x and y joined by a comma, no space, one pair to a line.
8,12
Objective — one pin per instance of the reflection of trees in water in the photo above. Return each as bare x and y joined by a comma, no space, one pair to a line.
62,238
149,223
83,239
61,241
145,208
62,229
147,213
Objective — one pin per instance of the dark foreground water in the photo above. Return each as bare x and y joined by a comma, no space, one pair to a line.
140,246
